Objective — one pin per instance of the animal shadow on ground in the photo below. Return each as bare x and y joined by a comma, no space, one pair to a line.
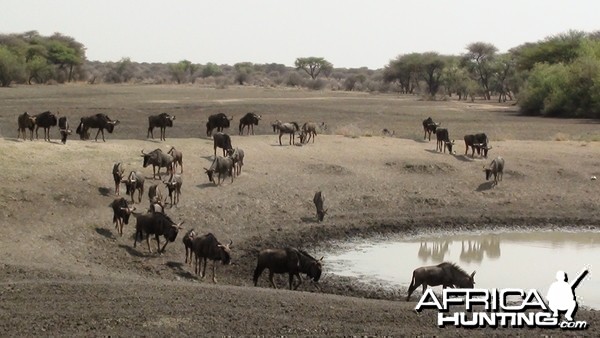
134,252
179,270
104,191
153,140
312,219
485,186
463,158
205,185
209,157
105,232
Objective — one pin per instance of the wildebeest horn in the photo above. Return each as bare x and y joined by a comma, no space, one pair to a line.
473,274
320,260
488,148
230,243
143,153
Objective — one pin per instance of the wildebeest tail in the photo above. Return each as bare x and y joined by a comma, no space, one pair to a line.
295,125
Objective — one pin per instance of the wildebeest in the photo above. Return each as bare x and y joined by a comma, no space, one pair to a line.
222,166
287,128
223,141
495,168
63,127
477,142
157,224
174,186
319,200
249,120
208,247
188,239
117,173
25,121
99,121
219,121
154,194
237,155
443,140
177,158
309,130
429,127
275,124
157,158
162,121
45,120
446,274
121,213
290,260
135,181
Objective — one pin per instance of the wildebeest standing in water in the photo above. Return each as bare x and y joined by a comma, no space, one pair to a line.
290,260
25,121
99,121
219,121
45,120
446,274
161,121
63,126
249,120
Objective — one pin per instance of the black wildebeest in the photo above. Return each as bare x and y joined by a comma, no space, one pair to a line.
63,127
25,121
446,274
219,121
237,155
249,120
223,141
99,121
157,224
429,127
188,239
162,121
45,120
319,200
443,140
477,142
121,213
177,158
495,168
135,181
290,260
222,166
118,172
286,128
208,247
157,158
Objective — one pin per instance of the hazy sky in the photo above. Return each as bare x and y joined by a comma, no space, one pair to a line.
347,33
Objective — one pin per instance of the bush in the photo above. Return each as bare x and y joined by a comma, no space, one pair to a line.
316,84
294,80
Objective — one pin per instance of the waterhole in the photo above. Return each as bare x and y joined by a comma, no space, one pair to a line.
524,260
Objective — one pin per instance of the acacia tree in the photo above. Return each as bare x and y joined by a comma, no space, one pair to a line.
313,66
478,60
432,66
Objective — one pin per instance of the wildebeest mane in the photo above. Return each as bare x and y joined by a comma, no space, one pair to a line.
454,269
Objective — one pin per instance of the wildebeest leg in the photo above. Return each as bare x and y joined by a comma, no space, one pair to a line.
203,268
257,272
162,134
280,134
148,242
299,281
291,279
156,236
413,285
36,132
164,246
271,273
215,272
136,237
150,133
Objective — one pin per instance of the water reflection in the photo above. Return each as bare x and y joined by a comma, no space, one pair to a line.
502,260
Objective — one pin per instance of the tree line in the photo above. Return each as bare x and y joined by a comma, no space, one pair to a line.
557,76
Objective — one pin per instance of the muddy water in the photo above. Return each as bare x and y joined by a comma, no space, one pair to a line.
502,260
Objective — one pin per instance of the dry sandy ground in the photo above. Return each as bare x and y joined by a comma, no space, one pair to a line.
65,271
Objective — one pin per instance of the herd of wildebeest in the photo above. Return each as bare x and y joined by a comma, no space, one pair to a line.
155,220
